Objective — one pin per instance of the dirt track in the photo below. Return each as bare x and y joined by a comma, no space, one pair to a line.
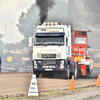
18,83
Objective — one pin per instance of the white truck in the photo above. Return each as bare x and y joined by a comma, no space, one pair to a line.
52,50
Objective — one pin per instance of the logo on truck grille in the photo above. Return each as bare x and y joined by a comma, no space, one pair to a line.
48,62
48,55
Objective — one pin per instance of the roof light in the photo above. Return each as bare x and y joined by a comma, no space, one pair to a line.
48,23
44,23
52,23
56,23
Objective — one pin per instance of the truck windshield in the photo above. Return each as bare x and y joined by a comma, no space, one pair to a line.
49,40
79,40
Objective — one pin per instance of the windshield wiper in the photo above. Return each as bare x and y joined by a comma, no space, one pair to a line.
55,43
41,44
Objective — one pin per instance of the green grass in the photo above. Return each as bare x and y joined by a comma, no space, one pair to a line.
65,91
53,93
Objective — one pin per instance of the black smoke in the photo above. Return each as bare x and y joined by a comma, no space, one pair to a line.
44,6
59,12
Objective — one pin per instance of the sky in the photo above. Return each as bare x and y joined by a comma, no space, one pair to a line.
10,11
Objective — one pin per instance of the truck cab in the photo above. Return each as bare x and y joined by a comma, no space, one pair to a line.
51,49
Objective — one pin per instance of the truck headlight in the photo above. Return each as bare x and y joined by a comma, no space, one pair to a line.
35,64
62,64
35,67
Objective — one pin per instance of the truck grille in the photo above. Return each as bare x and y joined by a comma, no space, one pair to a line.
48,62
48,55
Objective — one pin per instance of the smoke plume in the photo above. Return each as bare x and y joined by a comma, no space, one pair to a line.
44,6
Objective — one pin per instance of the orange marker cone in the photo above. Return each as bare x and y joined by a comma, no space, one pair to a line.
98,81
72,85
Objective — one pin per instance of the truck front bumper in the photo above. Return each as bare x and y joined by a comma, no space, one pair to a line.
50,65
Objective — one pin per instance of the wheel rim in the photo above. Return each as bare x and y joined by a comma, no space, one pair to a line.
9,59
68,71
75,71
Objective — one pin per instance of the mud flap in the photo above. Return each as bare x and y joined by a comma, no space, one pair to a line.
86,70
83,69
71,66
79,73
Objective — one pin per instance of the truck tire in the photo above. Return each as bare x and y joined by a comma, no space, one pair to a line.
66,73
37,74
76,71
79,73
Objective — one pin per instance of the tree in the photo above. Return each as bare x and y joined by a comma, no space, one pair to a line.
23,43
28,21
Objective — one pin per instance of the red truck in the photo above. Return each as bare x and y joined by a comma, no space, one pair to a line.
80,53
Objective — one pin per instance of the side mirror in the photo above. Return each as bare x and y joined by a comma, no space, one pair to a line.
30,41
66,41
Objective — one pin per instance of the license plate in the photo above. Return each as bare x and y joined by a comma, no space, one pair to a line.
48,69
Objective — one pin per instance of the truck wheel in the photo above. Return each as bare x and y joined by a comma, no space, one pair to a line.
79,73
76,71
37,74
66,74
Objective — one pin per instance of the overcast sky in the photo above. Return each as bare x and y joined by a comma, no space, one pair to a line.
10,10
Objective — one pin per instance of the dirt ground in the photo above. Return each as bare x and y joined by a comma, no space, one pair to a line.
16,84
